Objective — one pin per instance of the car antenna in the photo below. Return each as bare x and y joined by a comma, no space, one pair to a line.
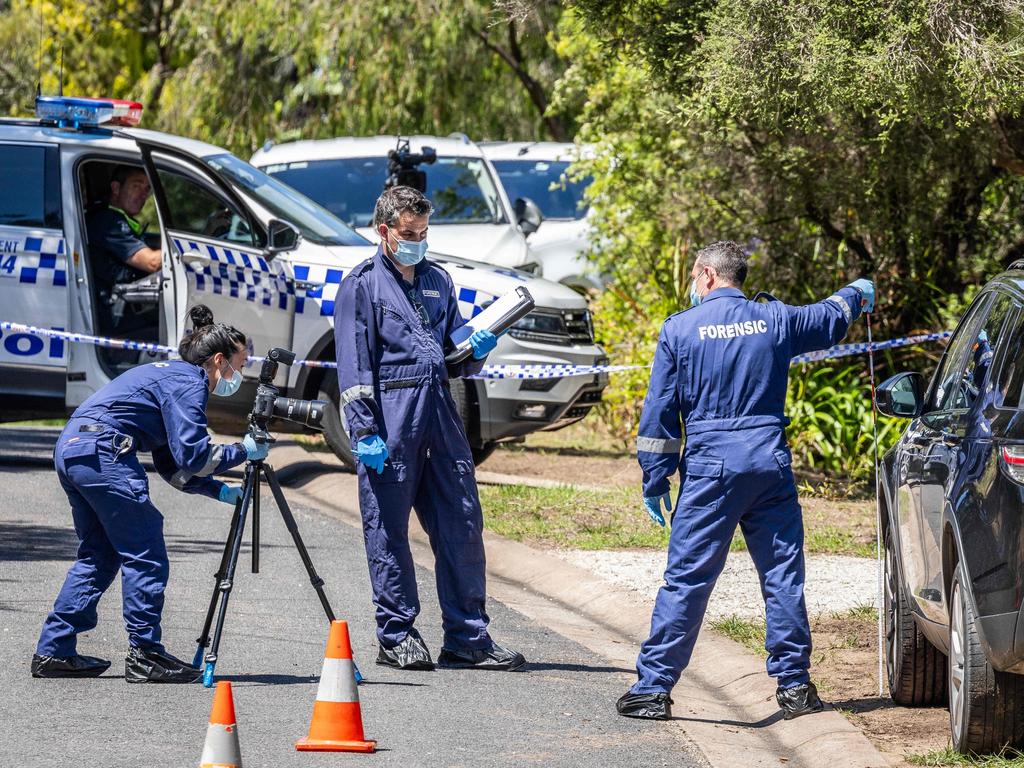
60,83
39,56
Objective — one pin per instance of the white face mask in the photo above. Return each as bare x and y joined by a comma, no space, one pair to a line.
228,387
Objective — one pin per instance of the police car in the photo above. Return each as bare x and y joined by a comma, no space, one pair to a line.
263,257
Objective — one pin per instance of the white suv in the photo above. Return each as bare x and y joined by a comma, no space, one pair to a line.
537,170
263,257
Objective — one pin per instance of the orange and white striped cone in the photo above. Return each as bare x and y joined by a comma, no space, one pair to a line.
337,724
221,748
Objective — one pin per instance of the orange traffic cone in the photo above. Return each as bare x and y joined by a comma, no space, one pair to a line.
221,748
337,724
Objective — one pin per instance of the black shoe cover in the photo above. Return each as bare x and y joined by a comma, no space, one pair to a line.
68,666
647,706
155,666
411,654
494,657
799,700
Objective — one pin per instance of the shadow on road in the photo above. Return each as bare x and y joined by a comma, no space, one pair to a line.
270,679
762,723
23,541
544,666
863,705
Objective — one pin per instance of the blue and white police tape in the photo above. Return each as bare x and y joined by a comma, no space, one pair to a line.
538,371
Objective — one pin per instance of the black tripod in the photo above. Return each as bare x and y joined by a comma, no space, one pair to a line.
225,575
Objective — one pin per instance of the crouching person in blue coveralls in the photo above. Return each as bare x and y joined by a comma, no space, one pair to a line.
392,319
161,408
721,368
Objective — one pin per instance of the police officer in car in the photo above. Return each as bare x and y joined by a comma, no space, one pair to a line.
393,318
119,254
720,370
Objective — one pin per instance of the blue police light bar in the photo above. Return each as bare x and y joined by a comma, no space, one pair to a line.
75,112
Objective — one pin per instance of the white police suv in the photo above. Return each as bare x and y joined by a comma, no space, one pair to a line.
263,257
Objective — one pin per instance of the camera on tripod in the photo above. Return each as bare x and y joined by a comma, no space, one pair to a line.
404,166
269,404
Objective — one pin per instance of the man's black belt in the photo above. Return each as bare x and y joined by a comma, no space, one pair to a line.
405,384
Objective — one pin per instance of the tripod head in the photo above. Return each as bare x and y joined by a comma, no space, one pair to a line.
269,404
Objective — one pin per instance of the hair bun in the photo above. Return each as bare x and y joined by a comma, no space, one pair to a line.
201,316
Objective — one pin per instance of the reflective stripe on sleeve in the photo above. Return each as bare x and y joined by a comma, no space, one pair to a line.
659,445
847,313
216,453
358,392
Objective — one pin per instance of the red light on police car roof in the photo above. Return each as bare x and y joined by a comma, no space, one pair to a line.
126,113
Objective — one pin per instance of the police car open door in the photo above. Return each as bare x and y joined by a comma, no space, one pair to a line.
33,272
218,247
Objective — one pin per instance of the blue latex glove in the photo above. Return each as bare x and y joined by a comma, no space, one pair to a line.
255,451
482,342
230,494
867,293
372,452
654,504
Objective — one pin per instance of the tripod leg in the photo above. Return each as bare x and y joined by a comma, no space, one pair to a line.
256,523
293,529
204,638
226,582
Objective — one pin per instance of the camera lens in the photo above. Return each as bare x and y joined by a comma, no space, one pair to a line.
309,413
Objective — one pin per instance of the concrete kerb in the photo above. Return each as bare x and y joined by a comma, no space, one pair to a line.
724,702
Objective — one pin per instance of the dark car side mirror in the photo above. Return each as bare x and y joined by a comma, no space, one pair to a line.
901,395
281,236
528,215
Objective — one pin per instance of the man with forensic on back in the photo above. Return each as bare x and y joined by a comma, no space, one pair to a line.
721,369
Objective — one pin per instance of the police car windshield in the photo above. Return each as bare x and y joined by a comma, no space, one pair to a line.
461,188
313,222
547,184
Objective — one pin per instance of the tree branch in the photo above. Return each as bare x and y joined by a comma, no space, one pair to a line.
816,215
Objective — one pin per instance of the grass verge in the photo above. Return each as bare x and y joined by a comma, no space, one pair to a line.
1008,758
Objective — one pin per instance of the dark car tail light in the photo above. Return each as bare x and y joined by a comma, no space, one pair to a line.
1013,458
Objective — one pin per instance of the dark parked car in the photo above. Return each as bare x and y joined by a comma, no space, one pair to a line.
951,496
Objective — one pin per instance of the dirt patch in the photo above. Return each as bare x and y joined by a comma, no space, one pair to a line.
566,465
845,668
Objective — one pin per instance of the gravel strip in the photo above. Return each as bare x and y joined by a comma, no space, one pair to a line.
835,583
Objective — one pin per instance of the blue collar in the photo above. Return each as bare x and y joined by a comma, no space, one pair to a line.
383,258
723,293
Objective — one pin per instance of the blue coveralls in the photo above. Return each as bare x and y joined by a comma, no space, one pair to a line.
391,338
722,368
160,407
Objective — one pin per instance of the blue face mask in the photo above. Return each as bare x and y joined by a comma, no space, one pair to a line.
410,252
228,387
694,296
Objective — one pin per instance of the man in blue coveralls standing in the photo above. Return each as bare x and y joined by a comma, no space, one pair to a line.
722,368
393,318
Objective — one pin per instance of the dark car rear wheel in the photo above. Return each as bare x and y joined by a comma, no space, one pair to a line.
986,707
334,432
916,668
469,412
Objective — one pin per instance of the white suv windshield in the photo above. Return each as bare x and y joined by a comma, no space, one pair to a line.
461,188
547,184
313,222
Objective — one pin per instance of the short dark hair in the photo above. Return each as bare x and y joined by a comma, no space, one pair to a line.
396,200
727,259
207,338
122,172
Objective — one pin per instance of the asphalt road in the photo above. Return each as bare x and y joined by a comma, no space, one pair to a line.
559,711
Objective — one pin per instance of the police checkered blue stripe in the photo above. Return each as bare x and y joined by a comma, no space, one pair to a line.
235,273
549,371
42,261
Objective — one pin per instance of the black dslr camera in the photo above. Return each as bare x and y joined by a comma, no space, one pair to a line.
403,166
269,404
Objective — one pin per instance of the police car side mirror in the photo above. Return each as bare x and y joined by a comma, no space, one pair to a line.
281,236
901,395
528,215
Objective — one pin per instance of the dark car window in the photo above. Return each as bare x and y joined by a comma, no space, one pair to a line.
975,348
461,188
1010,381
547,183
196,210
31,195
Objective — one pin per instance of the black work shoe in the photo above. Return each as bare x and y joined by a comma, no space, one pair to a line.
153,666
647,706
799,700
411,654
494,657
68,666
